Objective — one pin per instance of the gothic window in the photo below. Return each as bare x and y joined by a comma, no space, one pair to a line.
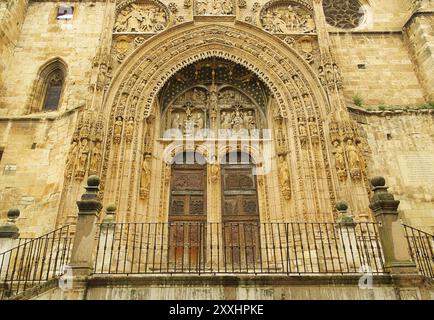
46,94
53,91
344,14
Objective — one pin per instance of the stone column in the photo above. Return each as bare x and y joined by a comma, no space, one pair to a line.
85,237
397,258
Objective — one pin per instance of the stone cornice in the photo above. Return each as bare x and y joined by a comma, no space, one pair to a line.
42,116
416,14
383,113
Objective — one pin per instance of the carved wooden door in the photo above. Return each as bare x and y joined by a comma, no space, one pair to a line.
187,216
240,215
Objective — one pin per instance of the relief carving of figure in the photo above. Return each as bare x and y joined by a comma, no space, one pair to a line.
339,160
353,159
201,7
134,20
117,132
129,129
237,121
145,177
215,170
82,159
226,120
249,121
284,177
176,124
96,157
285,19
69,167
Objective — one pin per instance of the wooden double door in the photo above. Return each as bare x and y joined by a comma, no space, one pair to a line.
239,229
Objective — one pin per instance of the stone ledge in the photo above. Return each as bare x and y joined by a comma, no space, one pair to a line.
383,113
258,280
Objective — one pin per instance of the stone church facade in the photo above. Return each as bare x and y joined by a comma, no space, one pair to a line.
216,111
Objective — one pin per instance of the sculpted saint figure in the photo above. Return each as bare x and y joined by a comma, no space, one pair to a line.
226,120
96,157
129,129
284,177
237,121
145,176
353,157
121,21
82,159
118,128
71,160
339,159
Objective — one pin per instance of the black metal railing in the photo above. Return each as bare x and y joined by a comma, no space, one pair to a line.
34,261
242,247
421,245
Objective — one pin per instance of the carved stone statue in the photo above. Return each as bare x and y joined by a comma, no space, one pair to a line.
284,177
339,160
129,129
69,167
82,159
145,177
96,158
117,132
353,159
214,170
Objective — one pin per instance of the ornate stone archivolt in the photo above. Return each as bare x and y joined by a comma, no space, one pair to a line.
143,16
292,83
283,17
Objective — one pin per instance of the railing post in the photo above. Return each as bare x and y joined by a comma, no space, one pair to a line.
347,230
85,236
9,232
106,239
396,252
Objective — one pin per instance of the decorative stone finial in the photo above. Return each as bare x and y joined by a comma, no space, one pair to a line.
110,213
13,214
382,200
344,218
9,229
378,181
342,206
93,181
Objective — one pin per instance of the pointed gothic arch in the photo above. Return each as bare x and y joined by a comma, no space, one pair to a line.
48,87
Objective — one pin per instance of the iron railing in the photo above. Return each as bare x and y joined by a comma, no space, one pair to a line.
34,261
242,247
421,245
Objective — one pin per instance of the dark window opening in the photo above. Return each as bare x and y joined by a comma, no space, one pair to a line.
53,92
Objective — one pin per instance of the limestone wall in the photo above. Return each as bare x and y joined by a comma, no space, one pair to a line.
388,75
37,149
43,38
402,150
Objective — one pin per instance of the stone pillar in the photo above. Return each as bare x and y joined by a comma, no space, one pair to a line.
85,236
395,247
347,231
106,239
9,232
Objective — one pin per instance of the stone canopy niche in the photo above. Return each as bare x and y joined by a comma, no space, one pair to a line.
213,95
141,17
283,17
